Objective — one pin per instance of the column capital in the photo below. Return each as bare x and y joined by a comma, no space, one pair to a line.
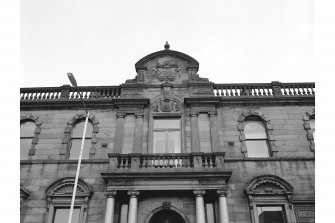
133,193
212,113
199,193
194,114
139,115
120,114
223,192
110,193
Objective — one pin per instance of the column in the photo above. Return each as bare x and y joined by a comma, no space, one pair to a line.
195,132
138,135
132,211
109,215
215,142
200,206
118,139
223,208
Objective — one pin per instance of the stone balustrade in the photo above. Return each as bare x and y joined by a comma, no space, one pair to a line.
274,88
67,92
166,161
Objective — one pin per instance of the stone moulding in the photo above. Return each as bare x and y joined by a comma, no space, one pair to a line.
268,128
308,116
64,188
268,184
167,180
38,123
68,131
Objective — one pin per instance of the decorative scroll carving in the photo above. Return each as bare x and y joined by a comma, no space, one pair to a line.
199,193
224,191
133,193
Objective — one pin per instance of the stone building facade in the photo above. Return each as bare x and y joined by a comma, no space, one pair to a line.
169,146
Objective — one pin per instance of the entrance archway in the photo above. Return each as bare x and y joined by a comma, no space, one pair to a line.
166,216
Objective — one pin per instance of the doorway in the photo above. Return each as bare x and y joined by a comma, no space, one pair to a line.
166,216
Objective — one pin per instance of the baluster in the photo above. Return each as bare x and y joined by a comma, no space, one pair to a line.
310,92
304,88
224,92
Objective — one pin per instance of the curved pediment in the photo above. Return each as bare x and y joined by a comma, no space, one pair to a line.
269,184
167,58
167,66
64,187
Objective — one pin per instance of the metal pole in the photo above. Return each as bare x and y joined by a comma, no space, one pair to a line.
78,169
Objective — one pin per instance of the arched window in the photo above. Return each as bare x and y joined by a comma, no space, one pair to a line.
27,133
73,134
256,135
270,200
76,140
256,139
59,195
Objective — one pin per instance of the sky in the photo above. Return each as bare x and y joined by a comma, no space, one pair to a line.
100,41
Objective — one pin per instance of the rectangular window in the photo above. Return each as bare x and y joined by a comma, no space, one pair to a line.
167,136
75,148
62,215
273,214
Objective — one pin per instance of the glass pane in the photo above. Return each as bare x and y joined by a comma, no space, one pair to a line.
271,214
254,131
27,129
75,149
257,148
173,142
25,145
79,130
159,142
166,123
62,215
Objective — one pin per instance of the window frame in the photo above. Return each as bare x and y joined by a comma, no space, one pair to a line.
59,195
154,116
37,131
66,141
266,138
276,192
79,138
259,117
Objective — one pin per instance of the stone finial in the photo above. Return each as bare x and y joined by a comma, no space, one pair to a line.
167,45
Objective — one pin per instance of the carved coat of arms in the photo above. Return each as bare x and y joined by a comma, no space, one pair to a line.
166,71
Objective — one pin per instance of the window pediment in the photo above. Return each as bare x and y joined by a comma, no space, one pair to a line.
64,188
269,185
